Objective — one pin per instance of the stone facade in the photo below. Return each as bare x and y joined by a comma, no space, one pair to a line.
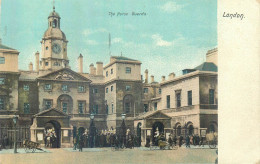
55,96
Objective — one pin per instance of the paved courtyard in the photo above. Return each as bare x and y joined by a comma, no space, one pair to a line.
106,155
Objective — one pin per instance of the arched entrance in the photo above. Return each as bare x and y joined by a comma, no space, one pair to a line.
213,127
128,103
190,129
52,134
81,130
65,103
157,129
178,129
138,131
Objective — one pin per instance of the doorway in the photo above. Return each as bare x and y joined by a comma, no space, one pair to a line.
52,134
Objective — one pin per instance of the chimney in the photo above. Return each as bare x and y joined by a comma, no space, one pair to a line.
152,78
171,76
99,68
95,71
163,78
146,76
80,63
91,69
37,60
31,66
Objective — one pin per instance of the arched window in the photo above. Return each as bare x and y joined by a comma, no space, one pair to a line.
54,23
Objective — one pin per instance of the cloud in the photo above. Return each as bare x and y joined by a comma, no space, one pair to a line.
160,42
117,40
170,7
91,42
88,32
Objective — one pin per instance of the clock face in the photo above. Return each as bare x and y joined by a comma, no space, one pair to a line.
56,48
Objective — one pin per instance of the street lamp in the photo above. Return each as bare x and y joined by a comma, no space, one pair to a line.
123,128
15,118
92,131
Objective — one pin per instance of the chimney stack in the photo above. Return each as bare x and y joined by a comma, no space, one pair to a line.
80,63
152,78
31,66
163,78
37,60
146,76
99,68
171,76
91,69
95,71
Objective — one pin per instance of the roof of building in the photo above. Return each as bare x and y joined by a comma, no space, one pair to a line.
5,47
122,58
207,66
54,32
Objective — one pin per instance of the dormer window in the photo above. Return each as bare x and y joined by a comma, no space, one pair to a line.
54,23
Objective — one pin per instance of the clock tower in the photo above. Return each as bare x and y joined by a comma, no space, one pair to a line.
54,45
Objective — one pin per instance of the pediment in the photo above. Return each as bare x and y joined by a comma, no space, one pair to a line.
158,115
51,113
64,74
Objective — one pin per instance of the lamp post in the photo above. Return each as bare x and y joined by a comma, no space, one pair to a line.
15,118
92,131
123,129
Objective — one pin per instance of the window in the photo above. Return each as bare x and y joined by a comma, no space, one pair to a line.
107,109
160,91
168,97
56,64
112,87
47,87
127,107
64,49
155,106
127,70
26,87
48,104
178,99
64,107
2,80
81,106
106,90
145,107
2,104
2,60
95,90
26,107
128,88
64,88
47,47
81,89
95,109
106,73
46,63
211,96
54,23
111,71
189,98
145,90
112,107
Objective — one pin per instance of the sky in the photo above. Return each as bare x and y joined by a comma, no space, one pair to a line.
172,35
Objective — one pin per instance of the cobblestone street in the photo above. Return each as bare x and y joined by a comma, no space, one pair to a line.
106,155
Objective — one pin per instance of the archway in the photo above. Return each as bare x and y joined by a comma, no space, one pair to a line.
213,127
157,129
138,131
65,103
178,129
128,103
190,129
52,134
81,130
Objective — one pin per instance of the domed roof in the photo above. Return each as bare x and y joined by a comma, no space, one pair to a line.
54,14
54,33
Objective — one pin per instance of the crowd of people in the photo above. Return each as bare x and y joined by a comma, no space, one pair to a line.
105,138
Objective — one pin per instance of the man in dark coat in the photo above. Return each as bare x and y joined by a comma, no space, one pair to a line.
187,140
180,141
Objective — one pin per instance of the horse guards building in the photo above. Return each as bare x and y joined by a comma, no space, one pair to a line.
54,96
